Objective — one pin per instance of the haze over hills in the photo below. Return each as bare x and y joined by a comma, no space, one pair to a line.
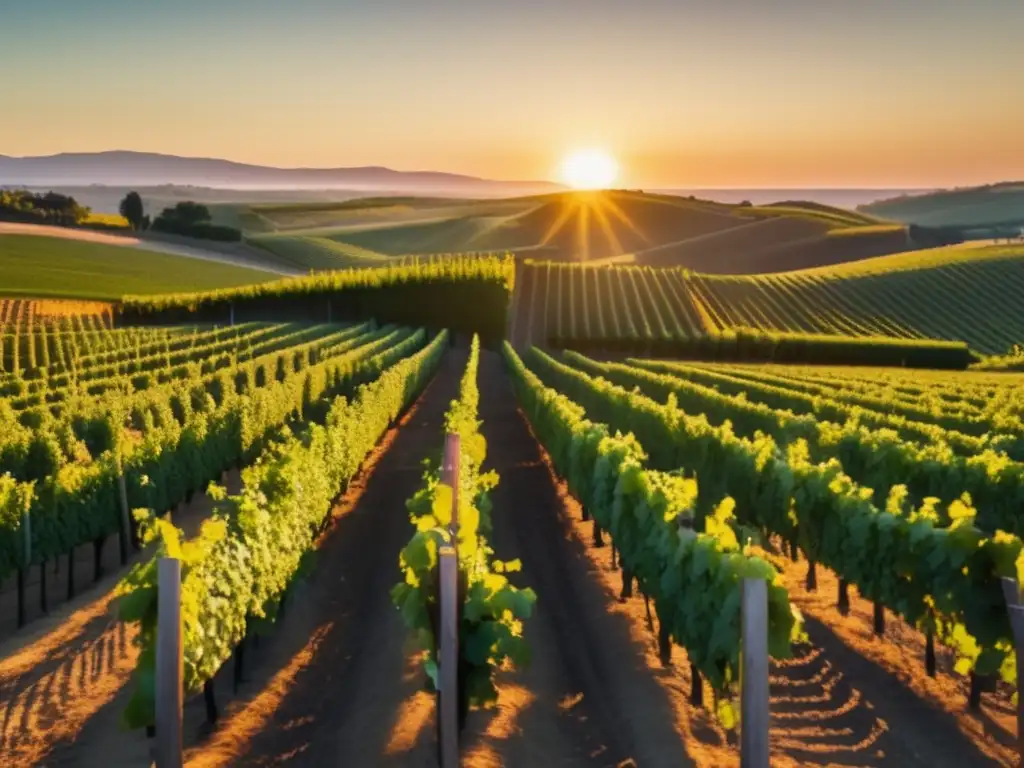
989,206
209,177
123,168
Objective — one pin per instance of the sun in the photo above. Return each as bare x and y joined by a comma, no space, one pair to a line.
589,169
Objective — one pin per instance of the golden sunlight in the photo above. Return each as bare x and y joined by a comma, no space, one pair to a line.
589,169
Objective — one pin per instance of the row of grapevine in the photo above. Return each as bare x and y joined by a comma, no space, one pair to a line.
670,312
609,306
951,407
58,394
466,293
942,579
22,314
203,431
70,353
965,437
973,299
878,459
870,390
36,442
978,391
69,374
24,350
237,570
693,577
490,623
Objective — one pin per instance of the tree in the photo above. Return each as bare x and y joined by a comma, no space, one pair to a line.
61,209
191,219
51,208
187,213
131,208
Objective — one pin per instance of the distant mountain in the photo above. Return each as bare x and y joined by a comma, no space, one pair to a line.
121,168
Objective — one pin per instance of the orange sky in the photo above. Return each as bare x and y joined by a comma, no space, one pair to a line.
735,93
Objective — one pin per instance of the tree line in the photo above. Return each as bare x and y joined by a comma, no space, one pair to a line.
51,208
192,220
187,218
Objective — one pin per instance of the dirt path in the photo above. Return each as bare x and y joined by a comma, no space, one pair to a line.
68,670
146,244
927,719
83,580
336,683
588,696
831,704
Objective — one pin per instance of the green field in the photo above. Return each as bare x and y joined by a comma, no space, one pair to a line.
31,265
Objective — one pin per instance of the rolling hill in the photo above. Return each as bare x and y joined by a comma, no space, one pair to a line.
613,227
975,207
34,265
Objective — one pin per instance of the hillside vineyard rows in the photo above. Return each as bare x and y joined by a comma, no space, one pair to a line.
632,307
905,486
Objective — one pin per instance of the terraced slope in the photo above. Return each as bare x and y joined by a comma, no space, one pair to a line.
968,293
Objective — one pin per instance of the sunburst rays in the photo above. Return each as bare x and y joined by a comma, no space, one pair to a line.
578,210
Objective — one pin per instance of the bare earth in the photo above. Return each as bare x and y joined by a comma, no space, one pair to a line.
157,246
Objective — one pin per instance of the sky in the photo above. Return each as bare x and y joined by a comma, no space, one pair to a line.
683,93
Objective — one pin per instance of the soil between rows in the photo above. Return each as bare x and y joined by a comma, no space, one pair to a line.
336,681
65,673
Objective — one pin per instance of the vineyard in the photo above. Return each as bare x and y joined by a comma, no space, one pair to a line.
20,314
906,488
154,415
468,294
311,450
964,294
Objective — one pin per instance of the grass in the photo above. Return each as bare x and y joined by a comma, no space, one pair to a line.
33,265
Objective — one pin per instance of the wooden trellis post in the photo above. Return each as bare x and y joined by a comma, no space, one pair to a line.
450,476
448,639
754,711
448,658
169,665
126,517
26,526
